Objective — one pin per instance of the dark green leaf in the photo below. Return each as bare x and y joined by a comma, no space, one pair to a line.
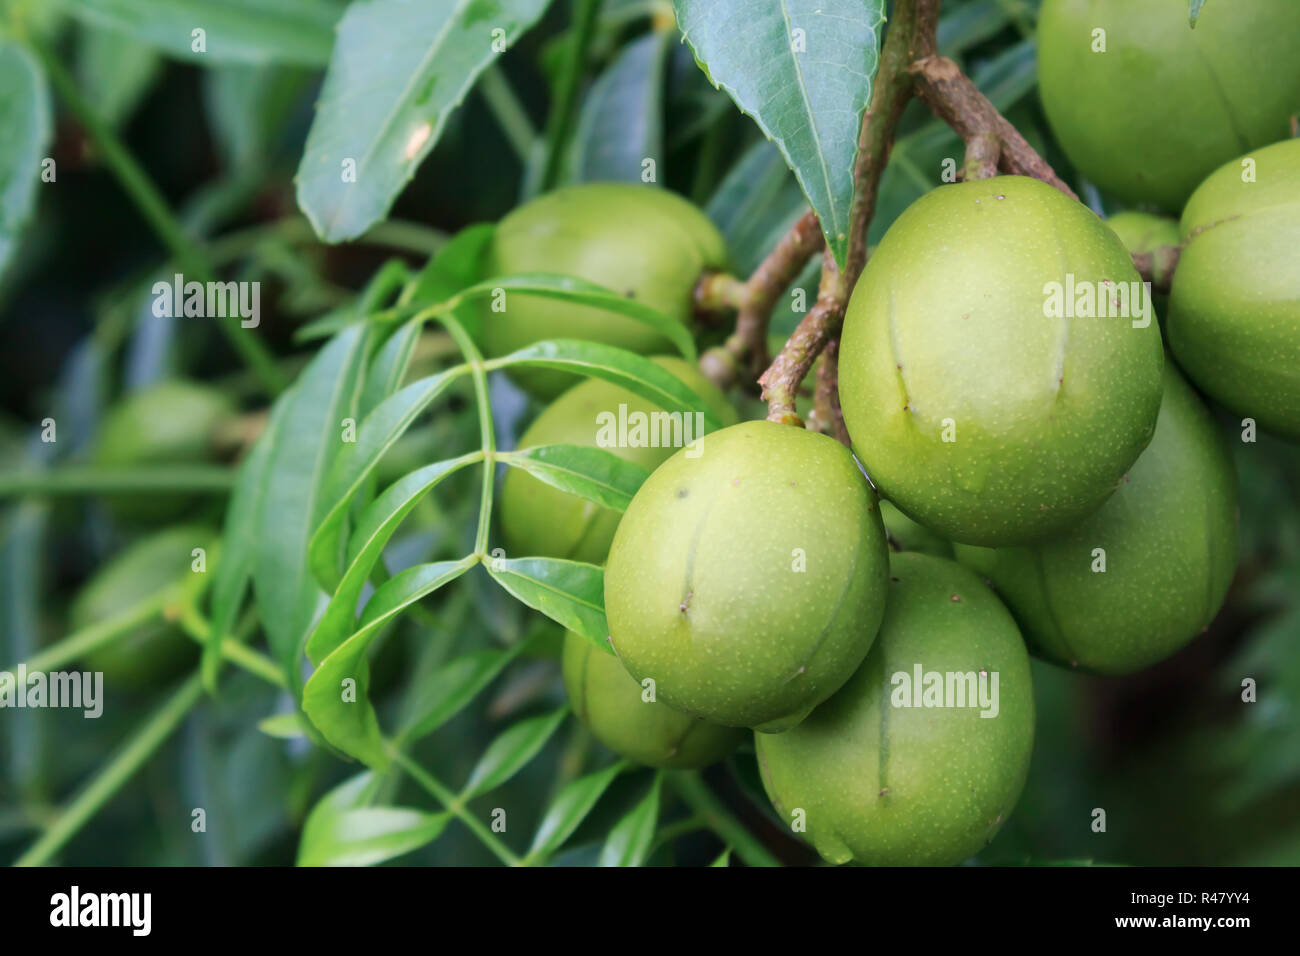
450,689
591,473
25,118
114,72
239,31
397,72
804,70
622,123
342,831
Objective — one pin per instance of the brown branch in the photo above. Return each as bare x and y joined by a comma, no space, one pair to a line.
982,153
953,98
755,298
911,35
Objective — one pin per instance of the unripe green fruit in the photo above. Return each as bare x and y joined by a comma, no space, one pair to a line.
1165,104
612,705
1168,540
886,782
904,534
1143,231
749,582
539,519
168,423
975,404
1234,310
156,649
646,243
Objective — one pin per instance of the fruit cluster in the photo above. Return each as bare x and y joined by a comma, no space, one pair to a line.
1042,479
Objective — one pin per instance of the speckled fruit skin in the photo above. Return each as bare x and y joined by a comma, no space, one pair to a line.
702,591
1170,540
1166,104
609,702
168,423
1234,311
912,786
904,534
949,323
155,650
644,242
1144,231
539,519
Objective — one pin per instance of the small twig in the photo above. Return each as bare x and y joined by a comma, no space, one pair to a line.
957,101
1157,266
754,300
781,381
982,153
826,407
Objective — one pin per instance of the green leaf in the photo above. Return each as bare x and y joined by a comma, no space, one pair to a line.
398,71
757,197
376,434
511,751
456,266
248,108
634,372
292,505
581,292
344,716
26,118
803,69
568,592
375,527
724,858
342,831
622,120
630,840
570,808
450,689
238,31
1194,11
238,542
114,73
288,726
591,473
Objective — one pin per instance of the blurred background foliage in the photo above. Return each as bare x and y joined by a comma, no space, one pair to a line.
1186,772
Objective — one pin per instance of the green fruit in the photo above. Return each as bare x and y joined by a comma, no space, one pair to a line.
169,423
885,784
646,243
612,705
1165,104
904,534
539,519
1234,311
156,649
1168,539
1144,232
748,582
974,404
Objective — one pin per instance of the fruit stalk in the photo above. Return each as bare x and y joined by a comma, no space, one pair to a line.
957,101
911,35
